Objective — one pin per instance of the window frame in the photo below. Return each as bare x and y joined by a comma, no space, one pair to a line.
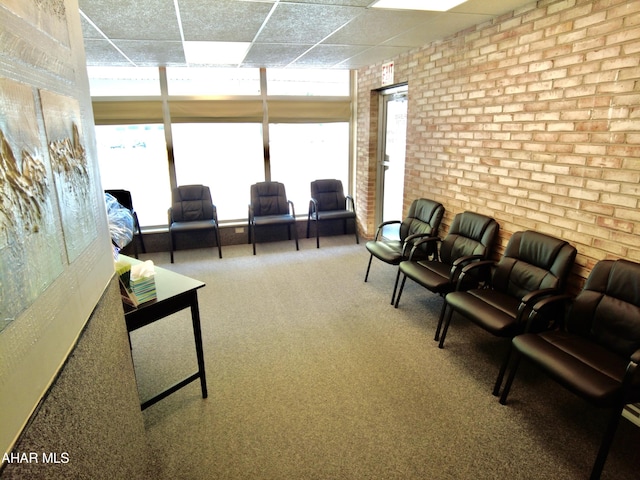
263,108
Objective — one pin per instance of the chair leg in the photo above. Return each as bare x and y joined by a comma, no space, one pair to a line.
135,218
171,241
447,322
135,245
605,445
441,319
295,233
503,370
395,300
512,374
366,275
317,234
252,237
218,242
355,228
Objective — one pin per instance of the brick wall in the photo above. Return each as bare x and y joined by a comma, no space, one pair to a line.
533,118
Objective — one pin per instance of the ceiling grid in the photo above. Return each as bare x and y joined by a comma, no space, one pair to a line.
346,34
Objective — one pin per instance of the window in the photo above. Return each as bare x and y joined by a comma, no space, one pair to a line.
123,81
301,153
307,82
213,81
216,116
134,158
227,157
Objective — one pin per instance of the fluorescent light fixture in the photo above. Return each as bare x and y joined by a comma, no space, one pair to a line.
215,53
428,5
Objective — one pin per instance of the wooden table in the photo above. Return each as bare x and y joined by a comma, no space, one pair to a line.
175,292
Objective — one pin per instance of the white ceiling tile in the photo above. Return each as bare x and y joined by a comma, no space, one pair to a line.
143,20
305,23
328,55
278,55
374,27
222,21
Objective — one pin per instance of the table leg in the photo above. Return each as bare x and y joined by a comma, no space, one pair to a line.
197,333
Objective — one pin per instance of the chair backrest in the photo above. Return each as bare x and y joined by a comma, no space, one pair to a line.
269,198
469,234
329,194
123,197
533,261
191,203
424,216
607,310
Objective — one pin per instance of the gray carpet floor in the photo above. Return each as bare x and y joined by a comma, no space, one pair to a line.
312,374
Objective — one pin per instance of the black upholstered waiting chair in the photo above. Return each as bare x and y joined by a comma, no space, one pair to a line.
422,220
471,237
124,198
594,350
192,210
328,202
534,265
269,206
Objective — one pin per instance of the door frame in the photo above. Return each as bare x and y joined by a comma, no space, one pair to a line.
384,96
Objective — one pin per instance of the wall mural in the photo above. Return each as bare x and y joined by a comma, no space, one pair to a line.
74,187
28,226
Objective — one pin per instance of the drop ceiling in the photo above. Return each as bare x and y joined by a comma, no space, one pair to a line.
277,33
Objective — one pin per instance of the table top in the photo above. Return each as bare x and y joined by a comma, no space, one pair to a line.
168,284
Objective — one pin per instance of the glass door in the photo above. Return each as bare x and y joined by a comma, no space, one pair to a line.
391,156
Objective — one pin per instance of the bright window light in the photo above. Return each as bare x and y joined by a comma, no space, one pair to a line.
429,5
215,53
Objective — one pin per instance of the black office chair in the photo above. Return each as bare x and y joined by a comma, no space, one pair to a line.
269,206
422,220
124,198
594,350
471,237
328,202
534,265
192,210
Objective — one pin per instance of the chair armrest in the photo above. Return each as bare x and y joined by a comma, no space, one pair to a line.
313,206
630,373
532,297
169,217
420,242
529,300
552,307
410,241
250,215
384,224
459,263
291,208
349,200
463,261
215,213
481,270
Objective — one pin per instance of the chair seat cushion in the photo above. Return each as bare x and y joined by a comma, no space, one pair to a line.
196,225
494,311
434,276
389,252
579,364
334,214
273,219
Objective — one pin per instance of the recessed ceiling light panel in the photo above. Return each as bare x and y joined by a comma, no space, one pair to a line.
428,5
220,53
